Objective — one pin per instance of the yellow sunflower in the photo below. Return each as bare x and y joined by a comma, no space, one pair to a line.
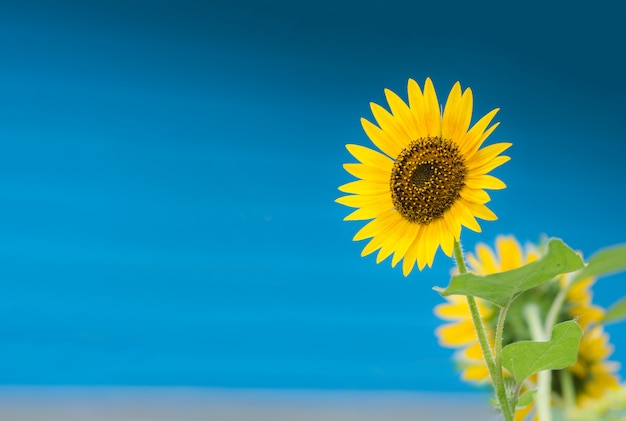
590,378
428,179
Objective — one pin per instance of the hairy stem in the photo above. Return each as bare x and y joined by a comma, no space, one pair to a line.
494,372
498,351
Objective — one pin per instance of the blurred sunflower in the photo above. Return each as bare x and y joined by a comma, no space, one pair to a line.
429,178
587,380
611,408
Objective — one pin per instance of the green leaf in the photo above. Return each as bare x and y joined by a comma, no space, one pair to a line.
604,262
617,312
526,398
528,357
502,288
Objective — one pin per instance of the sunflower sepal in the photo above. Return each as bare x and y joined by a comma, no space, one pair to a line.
526,398
503,287
525,358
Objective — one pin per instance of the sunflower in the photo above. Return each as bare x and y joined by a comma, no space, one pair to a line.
611,408
589,378
426,180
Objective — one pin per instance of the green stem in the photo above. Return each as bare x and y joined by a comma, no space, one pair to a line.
567,383
495,373
555,309
458,257
544,378
498,352
568,389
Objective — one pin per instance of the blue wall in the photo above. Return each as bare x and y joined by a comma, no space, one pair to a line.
168,171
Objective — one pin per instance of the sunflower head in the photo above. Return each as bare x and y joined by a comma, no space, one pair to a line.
425,178
592,375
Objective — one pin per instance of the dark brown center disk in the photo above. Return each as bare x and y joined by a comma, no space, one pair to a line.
427,178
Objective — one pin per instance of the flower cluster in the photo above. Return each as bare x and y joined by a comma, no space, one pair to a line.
590,378
522,318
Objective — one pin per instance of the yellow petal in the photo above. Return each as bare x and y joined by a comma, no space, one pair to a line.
587,314
467,143
374,244
475,195
372,209
362,200
480,140
465,115
453,224
410,236
365,187
452,311
368,212
447,240
445,236
380,224
370,157
488,166
456,334
451,111
402,113
410,257
457,113
432,235
367,172
437,236
580,289
488,262
476,373
532,254
381,139
487,153
484,182
464,215
474,352
389,124
510,252
382,240
416,103
432,112
482,211
394,236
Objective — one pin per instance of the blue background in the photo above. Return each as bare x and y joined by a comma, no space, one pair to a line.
168,171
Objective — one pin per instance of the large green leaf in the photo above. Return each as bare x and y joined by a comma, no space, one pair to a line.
502,288
525,358
604,262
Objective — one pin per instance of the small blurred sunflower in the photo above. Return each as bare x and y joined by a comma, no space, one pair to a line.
429,178
611,408
592,375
